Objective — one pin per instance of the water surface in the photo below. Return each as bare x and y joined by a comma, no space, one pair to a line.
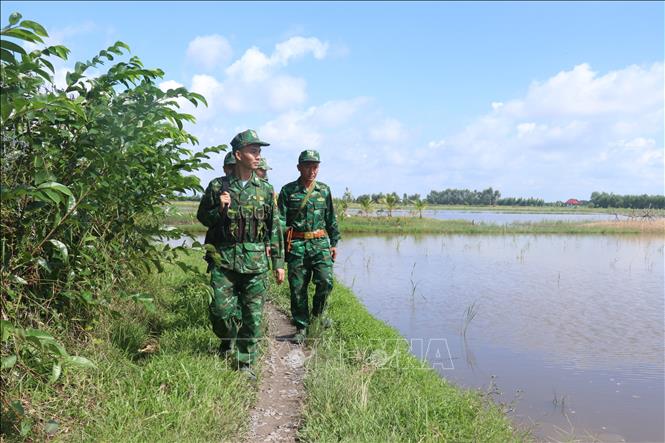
568,327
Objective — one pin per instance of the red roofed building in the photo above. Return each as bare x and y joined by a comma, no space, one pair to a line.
573,202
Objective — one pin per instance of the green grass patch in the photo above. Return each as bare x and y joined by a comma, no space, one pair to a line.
157,375
414,225
183,215
364,385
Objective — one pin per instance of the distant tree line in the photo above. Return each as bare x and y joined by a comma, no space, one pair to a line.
644,201
487,196
492,196
381,197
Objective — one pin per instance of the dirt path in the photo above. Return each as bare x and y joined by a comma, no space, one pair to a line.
277,414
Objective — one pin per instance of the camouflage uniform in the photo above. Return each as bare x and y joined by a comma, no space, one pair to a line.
263,167
239,234
309,258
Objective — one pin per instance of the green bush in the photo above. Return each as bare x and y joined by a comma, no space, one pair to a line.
86,170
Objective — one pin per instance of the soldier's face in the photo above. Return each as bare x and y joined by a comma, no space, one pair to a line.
308,170
262,173
249,156
228,170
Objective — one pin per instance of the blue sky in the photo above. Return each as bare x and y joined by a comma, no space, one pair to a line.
552,100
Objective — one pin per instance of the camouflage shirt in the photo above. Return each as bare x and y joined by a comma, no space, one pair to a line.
317,212
240,231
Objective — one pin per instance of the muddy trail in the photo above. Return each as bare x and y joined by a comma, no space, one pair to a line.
278,410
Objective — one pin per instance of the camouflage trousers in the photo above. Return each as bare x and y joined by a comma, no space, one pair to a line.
236,310
309,260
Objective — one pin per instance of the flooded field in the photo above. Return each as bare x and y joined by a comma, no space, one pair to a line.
500,218
568,330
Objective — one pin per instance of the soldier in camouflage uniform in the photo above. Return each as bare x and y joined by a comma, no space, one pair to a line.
229,168
241,215
262,170
306,207
229,163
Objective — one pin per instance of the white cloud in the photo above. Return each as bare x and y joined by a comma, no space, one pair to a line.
254,82
210,51
388,131
285,91
169,84
529,146
298,47
206,85
60,76
255,66
570,135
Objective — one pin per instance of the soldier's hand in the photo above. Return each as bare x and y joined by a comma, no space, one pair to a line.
268,251
333,252
279,275
225,199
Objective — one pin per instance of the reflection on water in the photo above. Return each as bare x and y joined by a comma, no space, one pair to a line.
574,322
500,218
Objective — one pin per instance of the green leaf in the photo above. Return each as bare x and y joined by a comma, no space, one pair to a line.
42,263
49,195
26,426
6,328
57,187
56,370
8,362
39,29
11,46
71,203
38,162
19,280
43,177
81,362
17,407
7,57
14,18
22,34
55,348
39,334
60,51
62,250
51,427
49,65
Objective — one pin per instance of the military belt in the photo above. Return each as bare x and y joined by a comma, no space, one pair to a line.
319,233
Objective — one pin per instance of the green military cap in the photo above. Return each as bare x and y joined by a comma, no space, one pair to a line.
263,164
245,138
309,155
229,159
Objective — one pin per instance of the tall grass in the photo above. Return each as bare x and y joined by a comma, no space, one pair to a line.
158,377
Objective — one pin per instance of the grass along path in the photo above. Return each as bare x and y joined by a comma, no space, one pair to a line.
363,385
158,377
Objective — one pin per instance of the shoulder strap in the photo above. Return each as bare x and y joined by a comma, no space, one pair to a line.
226,184
307,196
